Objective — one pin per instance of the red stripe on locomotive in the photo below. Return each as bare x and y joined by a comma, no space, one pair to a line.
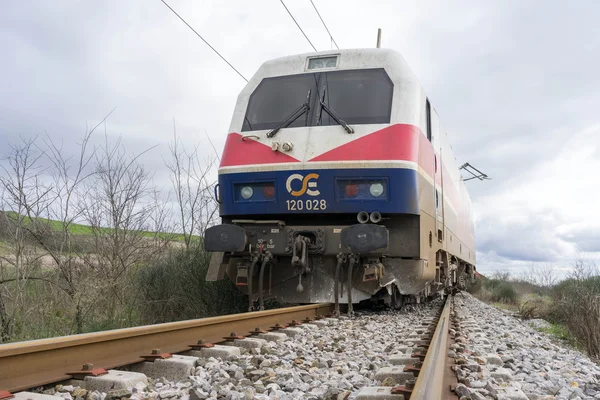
245,152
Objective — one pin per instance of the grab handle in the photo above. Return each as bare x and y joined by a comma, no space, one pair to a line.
217,193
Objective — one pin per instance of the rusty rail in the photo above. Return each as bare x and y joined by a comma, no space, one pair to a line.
430,382
38,362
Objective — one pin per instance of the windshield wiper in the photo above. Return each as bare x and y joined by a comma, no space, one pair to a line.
332,113
297,113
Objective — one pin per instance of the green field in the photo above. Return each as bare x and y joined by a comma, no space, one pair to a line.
86,230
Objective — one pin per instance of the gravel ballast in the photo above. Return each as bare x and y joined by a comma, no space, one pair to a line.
502,357
498,357
333,360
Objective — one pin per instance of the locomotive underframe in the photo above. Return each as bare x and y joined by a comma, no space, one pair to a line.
292,277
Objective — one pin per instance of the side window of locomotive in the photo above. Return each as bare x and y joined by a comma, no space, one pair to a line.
428,111
275,99
362,96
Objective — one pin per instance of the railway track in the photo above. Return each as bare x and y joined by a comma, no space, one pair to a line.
428,362
420,371
33,363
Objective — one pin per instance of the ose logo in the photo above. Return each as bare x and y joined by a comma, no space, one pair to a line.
306,184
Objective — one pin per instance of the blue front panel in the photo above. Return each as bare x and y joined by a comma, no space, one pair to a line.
322,191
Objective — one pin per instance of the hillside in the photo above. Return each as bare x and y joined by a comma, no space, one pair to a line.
77,229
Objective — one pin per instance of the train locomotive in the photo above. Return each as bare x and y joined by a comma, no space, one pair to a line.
337,184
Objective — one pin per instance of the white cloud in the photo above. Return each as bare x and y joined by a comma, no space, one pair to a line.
545,213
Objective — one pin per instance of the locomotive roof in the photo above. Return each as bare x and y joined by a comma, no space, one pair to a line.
391,60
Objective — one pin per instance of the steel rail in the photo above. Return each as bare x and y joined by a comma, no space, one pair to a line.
430,382
33,363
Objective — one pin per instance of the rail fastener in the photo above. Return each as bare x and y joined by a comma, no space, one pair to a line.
277,327
87,370
419,355
257,331
405,390
156,355
415,368
234,336
201,345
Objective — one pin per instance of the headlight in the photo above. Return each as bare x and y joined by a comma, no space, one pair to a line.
376,189
251,192
362,189
246,192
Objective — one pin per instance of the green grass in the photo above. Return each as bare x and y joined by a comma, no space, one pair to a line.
86,230
560,332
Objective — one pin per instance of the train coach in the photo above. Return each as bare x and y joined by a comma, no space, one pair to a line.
337,184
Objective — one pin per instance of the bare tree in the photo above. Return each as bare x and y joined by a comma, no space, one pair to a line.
118,208
44,192
197,209
68,177
58,276
24,197
160,221
501,275
44,210
543,275
84,274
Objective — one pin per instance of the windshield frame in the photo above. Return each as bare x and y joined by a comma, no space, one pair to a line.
320,79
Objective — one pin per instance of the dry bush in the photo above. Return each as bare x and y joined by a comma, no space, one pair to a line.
577,306
176,289
474,287
534,306
501,290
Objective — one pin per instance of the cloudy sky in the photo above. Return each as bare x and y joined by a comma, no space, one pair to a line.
515,83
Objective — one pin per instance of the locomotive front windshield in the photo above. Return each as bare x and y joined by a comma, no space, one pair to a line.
362,96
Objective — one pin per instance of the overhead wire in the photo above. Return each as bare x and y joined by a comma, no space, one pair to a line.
325,25
204,40
298,25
